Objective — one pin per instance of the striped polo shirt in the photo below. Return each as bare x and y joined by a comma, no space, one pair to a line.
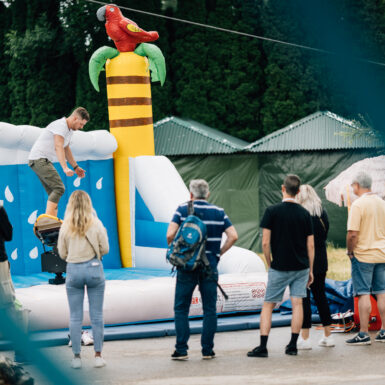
215,220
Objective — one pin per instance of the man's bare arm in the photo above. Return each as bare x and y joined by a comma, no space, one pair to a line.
232,237
59,149
266,237
171,232
71,160
351,241
310,253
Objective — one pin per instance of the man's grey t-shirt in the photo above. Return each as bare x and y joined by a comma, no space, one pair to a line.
44,147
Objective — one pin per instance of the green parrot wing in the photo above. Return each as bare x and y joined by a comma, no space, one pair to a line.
97,62
156,60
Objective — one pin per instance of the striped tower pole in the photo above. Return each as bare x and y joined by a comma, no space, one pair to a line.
130,116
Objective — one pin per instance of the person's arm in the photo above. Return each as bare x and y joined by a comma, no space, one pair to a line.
267,224
171,232
266,237
354,224
62,246
351,242
104,246
310,253
232,237
6,229
71,160
173,227
59,149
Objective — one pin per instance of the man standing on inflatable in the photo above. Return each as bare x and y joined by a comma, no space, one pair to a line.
55,140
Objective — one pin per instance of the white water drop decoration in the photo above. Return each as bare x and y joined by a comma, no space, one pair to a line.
77,182
33,254
32,217
8,195
99,183
14,254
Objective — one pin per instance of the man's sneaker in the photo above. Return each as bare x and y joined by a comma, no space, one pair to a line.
327,342
87,339
99,362
380,337
359,339
303,344
179,356
258,352
76,363
291,350
209,356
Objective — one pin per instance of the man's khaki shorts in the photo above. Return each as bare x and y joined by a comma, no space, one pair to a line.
49,178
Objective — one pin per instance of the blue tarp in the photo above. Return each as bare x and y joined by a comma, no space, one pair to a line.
338,293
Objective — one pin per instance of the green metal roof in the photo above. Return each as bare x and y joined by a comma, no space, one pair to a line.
175,136
322,130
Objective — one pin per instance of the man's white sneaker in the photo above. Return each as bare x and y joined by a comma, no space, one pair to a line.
87,339
99,362
303,344
76,363
327,342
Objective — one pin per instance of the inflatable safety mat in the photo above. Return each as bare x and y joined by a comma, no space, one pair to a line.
23,281
156,329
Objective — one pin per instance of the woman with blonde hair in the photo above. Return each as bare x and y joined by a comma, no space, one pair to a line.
309,199
82,243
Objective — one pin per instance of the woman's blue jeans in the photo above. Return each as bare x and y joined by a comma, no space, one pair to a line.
185,285
88,274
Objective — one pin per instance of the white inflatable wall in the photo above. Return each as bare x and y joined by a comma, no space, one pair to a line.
16,143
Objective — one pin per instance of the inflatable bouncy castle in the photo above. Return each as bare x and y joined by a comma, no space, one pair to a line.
134,192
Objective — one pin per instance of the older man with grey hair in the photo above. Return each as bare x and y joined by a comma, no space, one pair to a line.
366,249
217,223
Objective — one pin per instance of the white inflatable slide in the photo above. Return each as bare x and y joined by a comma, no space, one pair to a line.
162,189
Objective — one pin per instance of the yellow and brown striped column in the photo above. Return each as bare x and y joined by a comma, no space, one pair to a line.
130,115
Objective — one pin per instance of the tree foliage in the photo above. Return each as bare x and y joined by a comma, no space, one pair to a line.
243,86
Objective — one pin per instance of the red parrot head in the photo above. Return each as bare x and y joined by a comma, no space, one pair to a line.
109,12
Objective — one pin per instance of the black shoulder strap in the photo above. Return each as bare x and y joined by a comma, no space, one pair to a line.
190,209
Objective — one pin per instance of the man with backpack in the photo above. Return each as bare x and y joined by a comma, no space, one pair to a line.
215,221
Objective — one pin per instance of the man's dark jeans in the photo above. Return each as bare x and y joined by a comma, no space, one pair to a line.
185,285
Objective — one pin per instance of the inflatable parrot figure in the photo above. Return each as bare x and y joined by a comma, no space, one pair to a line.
126,35
128,68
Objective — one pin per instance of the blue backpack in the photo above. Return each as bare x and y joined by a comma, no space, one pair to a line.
188,249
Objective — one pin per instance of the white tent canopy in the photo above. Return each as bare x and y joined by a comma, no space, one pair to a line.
339,190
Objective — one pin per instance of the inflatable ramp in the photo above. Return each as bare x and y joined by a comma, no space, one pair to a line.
158,190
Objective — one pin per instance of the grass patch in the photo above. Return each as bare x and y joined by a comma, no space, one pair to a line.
339,264
338,261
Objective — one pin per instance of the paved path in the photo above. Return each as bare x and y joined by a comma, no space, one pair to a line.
147,362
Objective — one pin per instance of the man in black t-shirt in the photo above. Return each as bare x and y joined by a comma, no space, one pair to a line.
288,236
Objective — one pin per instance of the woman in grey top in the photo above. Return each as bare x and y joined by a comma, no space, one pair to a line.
82,243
